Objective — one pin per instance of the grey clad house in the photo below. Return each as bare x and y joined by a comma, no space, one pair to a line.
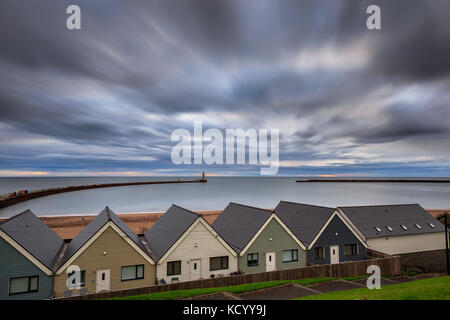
262,240
28,251
328,234
407,230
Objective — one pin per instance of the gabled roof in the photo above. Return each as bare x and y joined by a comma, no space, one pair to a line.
34,236
94,227
368,218
238,223
304,220
168,229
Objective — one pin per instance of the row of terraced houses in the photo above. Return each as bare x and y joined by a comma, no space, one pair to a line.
35,263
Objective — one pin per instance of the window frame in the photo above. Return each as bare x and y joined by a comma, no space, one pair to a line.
83,272
292,255
222,259
136,272
167,268
353,245
323,253
257,259
29,285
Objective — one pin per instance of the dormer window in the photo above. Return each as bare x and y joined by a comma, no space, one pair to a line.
418,226
389,228
404,227
431,225
378,229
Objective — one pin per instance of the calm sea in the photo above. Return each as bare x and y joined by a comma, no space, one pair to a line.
263,192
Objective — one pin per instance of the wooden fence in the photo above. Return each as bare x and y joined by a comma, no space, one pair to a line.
389,265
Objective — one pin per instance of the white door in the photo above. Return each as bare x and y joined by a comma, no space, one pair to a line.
334,254
195,269
270,261
103,280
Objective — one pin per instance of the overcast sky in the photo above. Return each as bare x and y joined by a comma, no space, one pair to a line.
105,99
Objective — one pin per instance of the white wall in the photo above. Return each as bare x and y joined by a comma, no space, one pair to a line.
199,243
408,243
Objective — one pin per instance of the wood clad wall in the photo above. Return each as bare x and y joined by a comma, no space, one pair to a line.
118,253
200,243
389,266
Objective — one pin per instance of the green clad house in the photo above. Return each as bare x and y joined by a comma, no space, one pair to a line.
263,241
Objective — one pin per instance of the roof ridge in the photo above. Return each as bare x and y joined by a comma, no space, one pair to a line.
310,205
248,206
187,210
17,215
381,205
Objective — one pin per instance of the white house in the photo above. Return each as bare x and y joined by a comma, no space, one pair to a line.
407,230
188,248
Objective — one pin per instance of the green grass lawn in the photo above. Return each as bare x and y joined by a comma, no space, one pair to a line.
179,294
428,289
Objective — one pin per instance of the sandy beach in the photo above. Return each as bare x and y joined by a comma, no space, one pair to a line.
67,227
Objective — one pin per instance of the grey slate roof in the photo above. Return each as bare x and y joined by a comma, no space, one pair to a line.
304,220
367,218
238,223
34,236
168,229
93,227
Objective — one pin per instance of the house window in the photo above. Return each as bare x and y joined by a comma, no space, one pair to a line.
252,259
418,226
218,263
173,268
82,278
378,229
389,228
23,285
132,273
319,253
290,255
404,227
350,249
431,225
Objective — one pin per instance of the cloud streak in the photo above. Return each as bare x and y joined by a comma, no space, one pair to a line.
347,100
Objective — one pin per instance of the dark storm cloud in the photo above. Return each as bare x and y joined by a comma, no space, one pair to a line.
108,96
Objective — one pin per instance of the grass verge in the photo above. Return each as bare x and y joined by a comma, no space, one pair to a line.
428,289
180,294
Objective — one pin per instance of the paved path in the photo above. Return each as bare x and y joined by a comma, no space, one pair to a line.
292,290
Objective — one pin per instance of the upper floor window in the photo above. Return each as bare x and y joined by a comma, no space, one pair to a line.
290,255
23,285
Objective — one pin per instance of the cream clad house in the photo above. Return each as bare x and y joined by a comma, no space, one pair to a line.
187,248
110,256
407,230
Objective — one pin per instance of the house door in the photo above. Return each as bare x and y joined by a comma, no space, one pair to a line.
103,280
195,269
334,254
270,261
